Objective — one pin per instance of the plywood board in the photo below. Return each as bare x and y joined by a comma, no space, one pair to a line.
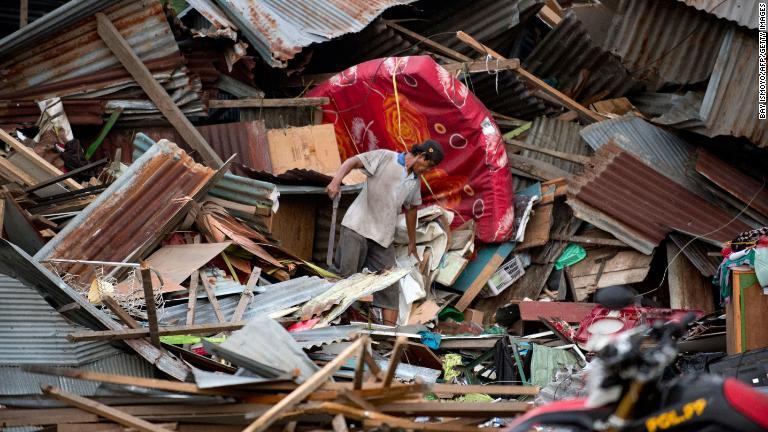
309,147
688,289
538,228
294,225
627,266
177,262
424,312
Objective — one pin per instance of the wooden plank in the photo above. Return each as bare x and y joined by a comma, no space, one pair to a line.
359,401
212,298
105,427
579,159
688,289
394,360
437,47
162,331
357,383
493,264
35,159
174,386
564,100
482,66
269,103
752,304
309,147
571,312
307,387
149,302
339,423
536,168
456,409
11,172
192,300
133,64
68,174
487,389
537,232
379,419
102,410
23,13
586,240
121,313
549,16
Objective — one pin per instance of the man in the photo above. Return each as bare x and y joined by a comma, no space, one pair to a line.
368,227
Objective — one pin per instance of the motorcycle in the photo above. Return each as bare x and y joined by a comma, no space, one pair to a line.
627,390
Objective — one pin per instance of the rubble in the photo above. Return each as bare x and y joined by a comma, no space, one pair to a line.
165,222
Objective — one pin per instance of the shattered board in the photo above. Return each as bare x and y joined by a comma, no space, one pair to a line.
370,110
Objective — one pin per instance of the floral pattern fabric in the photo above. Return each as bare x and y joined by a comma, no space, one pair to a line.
397,102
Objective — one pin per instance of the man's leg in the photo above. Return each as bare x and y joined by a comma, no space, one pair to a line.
350,253
381,258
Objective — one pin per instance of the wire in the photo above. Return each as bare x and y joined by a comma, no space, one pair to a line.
669,262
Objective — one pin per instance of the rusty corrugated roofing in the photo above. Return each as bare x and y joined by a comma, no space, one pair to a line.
131,211
745,188
279,29
742,12
553,134
732,88
72,61
646,203
665,41
567,51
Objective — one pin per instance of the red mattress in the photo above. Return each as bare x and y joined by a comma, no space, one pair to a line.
369,111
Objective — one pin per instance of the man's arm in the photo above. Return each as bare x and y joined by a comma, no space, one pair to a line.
334,187
410,224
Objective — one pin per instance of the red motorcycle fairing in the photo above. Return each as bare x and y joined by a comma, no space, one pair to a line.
747,401
569,413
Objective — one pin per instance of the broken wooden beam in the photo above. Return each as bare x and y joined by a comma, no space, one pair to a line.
269,103
306,388
197,329
164,103
437,47
394,360
563,100
102,410
149,305
579,159
36,160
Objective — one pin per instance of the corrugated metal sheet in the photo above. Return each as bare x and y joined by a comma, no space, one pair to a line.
732,85
276,297
347,291
506,94
72,61
325,335
279,29
79,112
17,382
246,139
17,264
491,22
742,12
665,42
42,28
626,189
231,187
129,214
567,51
667,153
32,332
697,253
267,349
747,189
553,134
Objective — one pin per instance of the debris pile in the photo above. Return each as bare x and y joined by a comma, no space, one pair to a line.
169,249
